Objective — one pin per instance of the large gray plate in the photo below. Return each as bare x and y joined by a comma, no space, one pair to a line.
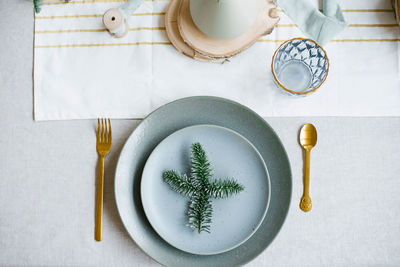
177,115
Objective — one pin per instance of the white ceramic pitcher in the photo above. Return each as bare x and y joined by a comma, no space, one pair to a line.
224,19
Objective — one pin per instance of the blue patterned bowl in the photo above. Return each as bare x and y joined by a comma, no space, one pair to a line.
300,66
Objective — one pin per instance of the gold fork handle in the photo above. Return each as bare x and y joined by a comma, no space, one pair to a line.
306,203
99,206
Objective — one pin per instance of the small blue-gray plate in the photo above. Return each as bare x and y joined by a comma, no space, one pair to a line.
234,219
175,116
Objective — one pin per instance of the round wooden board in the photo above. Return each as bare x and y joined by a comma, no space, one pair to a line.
171,26
396,8
224,48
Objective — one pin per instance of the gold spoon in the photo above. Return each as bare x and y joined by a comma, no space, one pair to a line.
308,139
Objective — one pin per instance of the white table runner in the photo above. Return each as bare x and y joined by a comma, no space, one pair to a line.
80,71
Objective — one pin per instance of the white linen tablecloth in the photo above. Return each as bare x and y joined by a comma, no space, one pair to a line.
80,71
47,182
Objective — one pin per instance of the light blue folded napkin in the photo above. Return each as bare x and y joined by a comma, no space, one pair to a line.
129,7
321,27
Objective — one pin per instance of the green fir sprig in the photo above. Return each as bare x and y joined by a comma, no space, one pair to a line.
37,4
200,189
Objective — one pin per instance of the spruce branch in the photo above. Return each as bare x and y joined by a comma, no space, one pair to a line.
37,4
200,170
200,209
200,212
223,189
199,187
179,183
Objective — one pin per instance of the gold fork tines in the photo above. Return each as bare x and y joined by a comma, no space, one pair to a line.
103,145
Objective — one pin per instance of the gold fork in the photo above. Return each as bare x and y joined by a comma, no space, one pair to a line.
103,145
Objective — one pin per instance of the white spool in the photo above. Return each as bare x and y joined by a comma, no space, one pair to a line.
116,19
115,22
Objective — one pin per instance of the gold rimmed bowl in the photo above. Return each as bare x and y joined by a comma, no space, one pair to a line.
300,66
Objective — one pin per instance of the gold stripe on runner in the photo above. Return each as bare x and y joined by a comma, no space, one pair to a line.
147,29
100,30
70,31
102,45
70,16
270,41
285,25
95,15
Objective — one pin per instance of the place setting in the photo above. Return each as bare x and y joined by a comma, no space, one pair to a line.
200,188
204,179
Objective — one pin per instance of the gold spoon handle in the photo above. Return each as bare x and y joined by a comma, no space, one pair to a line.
307,173
306,204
